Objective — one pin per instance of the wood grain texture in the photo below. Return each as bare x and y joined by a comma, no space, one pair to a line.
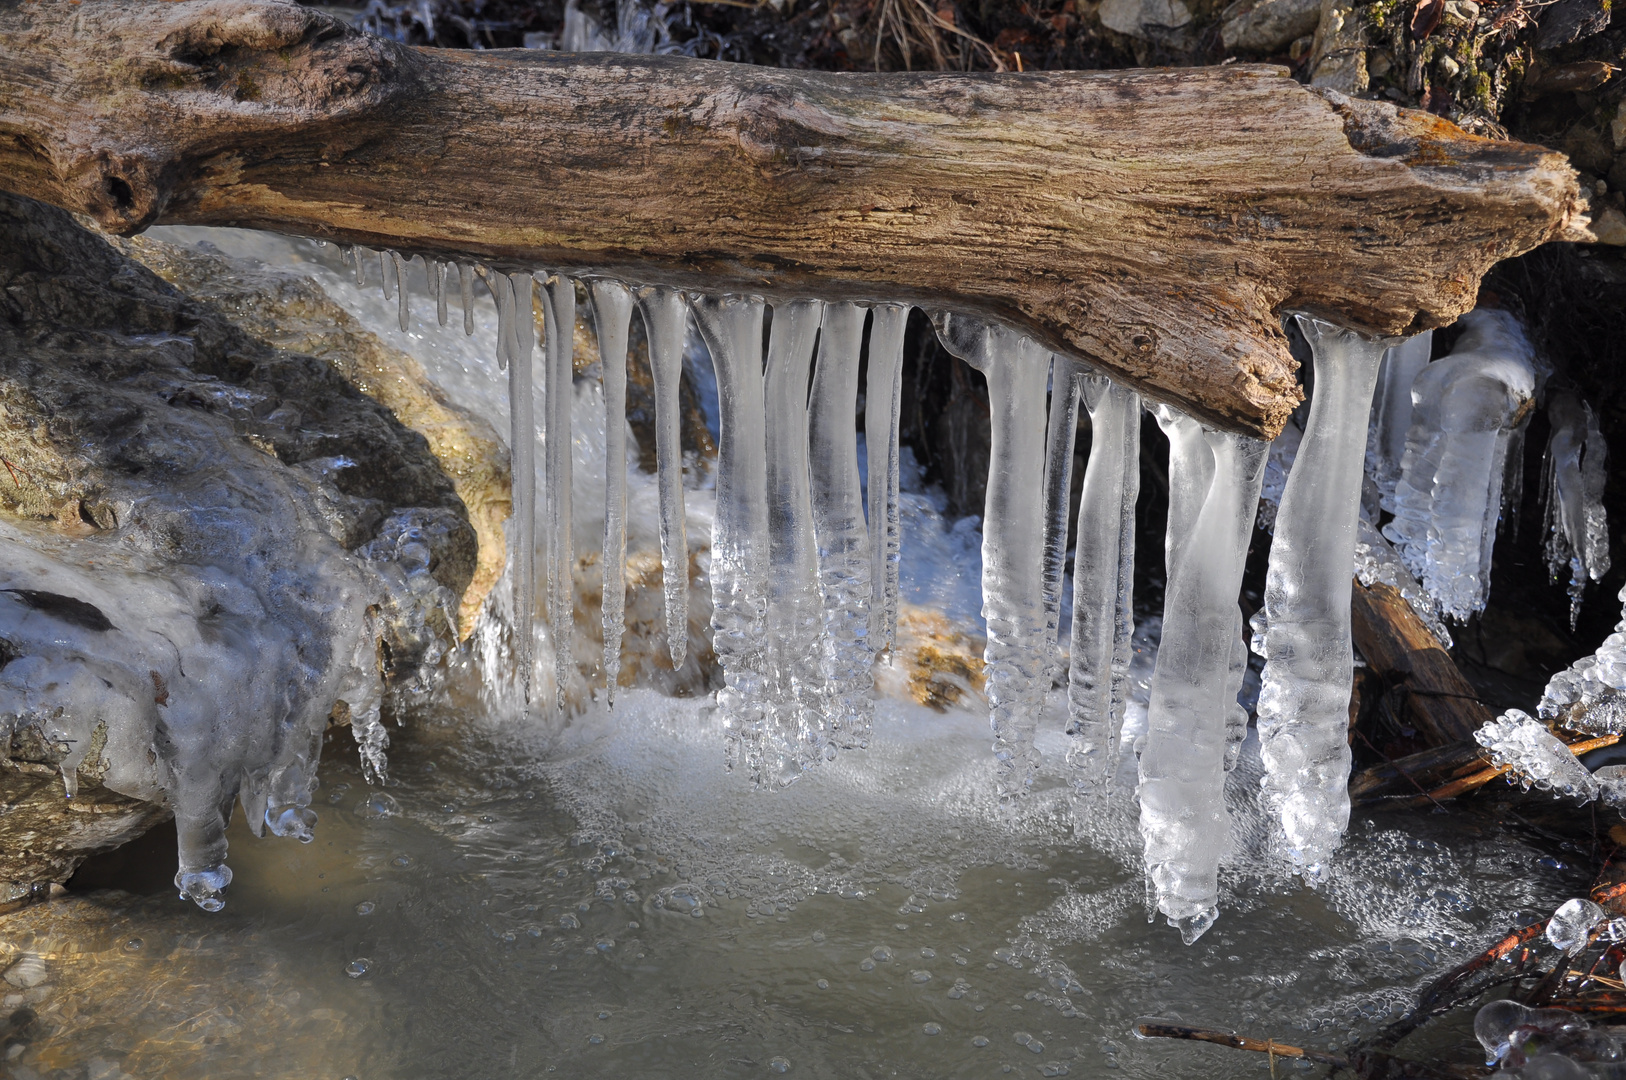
1152,222
1425,684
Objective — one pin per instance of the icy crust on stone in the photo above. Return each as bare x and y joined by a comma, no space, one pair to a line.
1587,695
223,589
1468,410
1535,756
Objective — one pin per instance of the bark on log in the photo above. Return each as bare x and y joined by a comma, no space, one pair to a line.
1154,223
1431,693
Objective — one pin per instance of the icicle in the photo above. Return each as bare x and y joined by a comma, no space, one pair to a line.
1573,476
666,320
795,609
1061,434
401,288
1304,637
1103,583
1214,480
1467,409
465,279
361,272
559,312
1391,409
612,315
384,273
200,829
522,453
883,391
732,328
838,526
1013,545
439,284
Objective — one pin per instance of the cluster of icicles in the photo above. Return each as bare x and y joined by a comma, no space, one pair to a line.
805,584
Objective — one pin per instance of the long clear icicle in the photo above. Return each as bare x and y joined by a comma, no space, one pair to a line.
732,328
522,452
666,321
1103,584
1215,477
795,609
439,277
838,526
559,317
403,316
1017,655
465,284
612,316
1391,409
1303,630
1573,476
1061,433
883,391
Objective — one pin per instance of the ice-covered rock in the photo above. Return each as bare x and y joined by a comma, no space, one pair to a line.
207,539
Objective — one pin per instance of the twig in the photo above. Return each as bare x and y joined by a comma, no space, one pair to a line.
1157,1029
1485,776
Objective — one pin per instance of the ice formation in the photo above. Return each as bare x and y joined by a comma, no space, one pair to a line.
1468,410
612,318
1572,492
559,313
1392,409
1103,573
1588,695
883,391
666,313
1303,630
1535,756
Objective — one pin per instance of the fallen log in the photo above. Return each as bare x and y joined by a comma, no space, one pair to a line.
1155,223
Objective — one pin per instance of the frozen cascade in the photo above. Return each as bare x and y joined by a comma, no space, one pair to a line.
1061,433
1303,630
883,391
795,625
1391,409
1573,476
732,327
838,526
612,317
1017,655
1103,583
559,315
1214,481
666,320
1468,410
516,332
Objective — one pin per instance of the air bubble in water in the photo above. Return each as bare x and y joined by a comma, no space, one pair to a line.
933,1029
377,806
779,1065
364,908
359,967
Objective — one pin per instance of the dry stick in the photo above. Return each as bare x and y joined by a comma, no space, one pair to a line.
1485,776
1157,1029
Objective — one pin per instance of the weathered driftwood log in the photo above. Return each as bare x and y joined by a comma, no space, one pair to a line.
1153,222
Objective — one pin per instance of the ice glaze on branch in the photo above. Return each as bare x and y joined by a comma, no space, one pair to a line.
1152,222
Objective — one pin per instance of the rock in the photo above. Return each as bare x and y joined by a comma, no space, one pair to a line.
1133,17
1338,57
1609,226
27,972
290,310
1571,20
209,545
1270,26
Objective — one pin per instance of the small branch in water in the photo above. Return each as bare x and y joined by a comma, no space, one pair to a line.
1158,1029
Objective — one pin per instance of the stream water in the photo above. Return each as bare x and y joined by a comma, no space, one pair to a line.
602,900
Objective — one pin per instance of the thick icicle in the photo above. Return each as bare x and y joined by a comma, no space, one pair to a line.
1103,581
402,314
522,453
732,328
384,265
1305,639
439,278
1017,655
666,321
1572,490
838,526
795,609
559,314
1214,480
361,270
1060,433
1391,409
612,315
1468,410
883,388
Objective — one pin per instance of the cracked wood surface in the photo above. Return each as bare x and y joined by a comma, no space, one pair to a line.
1154,223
